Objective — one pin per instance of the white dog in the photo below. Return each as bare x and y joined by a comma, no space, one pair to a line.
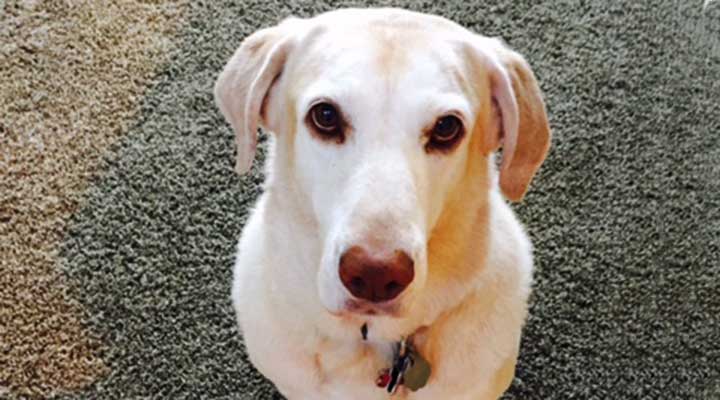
383,220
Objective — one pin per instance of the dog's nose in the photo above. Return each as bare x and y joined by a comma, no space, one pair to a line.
373,279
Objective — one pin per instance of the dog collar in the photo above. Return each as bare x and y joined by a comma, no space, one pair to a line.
408,368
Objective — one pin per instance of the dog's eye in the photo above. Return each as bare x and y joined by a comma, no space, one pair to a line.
325,117
326,120
445,133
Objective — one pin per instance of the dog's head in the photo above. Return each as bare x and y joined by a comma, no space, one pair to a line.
385,126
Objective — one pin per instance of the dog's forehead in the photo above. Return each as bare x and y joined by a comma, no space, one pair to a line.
399,19
382,51
388,42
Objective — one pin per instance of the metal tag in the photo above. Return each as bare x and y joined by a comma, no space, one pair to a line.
409,369
418,374
400,365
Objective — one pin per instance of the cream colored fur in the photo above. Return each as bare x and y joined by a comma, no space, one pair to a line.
392,72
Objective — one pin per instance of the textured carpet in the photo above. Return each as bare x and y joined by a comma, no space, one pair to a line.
625,214
71,74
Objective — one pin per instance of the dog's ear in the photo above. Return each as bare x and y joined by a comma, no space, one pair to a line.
524,133
245,82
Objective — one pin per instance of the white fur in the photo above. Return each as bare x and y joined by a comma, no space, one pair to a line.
381,189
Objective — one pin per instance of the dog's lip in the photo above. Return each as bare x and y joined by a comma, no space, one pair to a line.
358,310
372,309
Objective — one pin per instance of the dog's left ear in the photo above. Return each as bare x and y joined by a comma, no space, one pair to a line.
524,132
245,83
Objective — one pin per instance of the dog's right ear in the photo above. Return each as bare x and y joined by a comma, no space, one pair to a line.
244,84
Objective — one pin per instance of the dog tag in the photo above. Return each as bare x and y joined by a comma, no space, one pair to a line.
418,374
400,365
409,369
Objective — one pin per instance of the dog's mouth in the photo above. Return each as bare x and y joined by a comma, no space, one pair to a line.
390,309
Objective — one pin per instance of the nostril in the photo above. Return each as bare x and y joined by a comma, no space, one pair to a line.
392,288
357,285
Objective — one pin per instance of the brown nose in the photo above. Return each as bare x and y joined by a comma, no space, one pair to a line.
375,280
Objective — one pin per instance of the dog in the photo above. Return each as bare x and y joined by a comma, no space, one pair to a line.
383,245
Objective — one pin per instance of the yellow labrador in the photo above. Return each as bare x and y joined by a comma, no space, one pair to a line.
382,259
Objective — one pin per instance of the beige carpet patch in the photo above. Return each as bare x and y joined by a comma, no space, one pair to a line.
72,74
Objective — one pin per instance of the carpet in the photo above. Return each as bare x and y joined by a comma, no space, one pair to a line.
120,211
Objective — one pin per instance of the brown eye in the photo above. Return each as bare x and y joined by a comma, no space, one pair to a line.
326,119
446,132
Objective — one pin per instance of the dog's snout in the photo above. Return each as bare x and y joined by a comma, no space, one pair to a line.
375,279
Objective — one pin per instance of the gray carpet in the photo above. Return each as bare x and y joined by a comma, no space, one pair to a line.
625,214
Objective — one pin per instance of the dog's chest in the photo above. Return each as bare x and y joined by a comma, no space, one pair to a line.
352,368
